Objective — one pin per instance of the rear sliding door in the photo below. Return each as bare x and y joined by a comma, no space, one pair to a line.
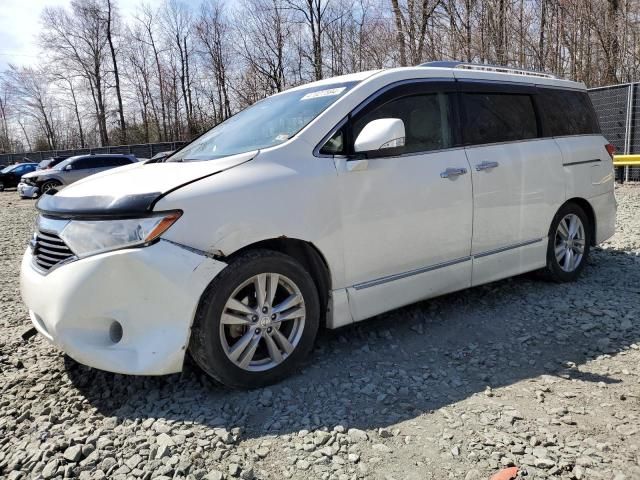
517,179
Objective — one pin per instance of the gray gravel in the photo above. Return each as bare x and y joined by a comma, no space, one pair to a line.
518,372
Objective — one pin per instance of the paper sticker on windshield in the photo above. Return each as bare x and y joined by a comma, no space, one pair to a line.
331,92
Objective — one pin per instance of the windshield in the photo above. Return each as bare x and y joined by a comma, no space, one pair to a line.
66,162
8,169
266,123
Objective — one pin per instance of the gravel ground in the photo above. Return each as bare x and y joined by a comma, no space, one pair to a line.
519,372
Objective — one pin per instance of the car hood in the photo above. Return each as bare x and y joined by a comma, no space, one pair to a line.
132,189
33,174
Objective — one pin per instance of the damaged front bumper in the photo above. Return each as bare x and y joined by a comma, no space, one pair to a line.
128,311
28,191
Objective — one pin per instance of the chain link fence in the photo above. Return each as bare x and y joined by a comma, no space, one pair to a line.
618,109
146,150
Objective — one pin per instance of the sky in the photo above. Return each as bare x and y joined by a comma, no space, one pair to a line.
20,24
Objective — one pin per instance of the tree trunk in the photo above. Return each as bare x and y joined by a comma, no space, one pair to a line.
123,130
400,32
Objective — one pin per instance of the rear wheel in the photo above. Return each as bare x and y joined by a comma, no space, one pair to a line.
256,321
569,244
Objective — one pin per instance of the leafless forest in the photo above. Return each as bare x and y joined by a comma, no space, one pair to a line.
174,70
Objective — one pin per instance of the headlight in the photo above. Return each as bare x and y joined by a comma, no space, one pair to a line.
88,237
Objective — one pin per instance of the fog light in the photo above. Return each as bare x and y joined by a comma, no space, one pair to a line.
115,332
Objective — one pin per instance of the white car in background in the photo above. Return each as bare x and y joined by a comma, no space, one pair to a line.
323,205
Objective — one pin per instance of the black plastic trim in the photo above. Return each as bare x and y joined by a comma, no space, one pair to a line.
582,162
101,206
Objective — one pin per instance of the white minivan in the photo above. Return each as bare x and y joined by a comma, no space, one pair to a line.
323,205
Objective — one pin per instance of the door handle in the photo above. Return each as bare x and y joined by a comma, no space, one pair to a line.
453,172
486,166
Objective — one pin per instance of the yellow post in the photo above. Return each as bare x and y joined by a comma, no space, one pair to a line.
626,160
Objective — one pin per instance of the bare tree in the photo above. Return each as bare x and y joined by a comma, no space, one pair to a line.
170,72
31,91
148,20
411,20
178,26
109,25
213,30
77,40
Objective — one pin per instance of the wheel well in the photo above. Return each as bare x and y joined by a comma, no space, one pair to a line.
52,179
309,257
588,209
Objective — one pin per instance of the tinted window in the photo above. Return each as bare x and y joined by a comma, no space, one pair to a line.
85,163
425,117
119,161
336,144
22,169
566,112
109,162
498,117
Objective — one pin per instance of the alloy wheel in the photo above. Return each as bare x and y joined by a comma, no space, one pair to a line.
262,322
570,242
48,186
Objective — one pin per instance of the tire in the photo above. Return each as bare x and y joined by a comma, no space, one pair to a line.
46,186
214,342
567,267
1,186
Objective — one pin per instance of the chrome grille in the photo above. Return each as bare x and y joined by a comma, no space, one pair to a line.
49,250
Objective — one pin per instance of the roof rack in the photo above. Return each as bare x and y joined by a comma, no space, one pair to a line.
487,68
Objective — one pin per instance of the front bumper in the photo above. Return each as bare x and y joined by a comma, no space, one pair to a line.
152,293
28,191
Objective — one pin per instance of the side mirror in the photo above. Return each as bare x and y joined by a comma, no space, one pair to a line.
68,167
380,134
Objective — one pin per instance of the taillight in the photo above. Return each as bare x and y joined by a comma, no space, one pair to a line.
611,149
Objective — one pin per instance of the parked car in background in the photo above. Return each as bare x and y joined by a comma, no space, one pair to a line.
10,176
323,205
68,171
50,162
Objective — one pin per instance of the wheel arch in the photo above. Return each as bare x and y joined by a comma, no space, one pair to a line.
309,256
49,179
588,209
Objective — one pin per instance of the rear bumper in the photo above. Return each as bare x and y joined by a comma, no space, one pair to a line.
604,208
150,293
28,191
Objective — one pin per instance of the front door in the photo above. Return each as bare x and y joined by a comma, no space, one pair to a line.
81,168
407,215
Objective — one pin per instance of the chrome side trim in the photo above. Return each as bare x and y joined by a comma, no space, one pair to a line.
506,248
410,273
418,271
581,162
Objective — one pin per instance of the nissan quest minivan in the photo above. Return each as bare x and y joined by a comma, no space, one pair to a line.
323,205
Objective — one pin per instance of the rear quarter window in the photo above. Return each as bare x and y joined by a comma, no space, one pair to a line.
498,117
567,112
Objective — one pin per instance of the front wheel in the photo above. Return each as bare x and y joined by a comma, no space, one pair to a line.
256,321
50,185
569,244
1,186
